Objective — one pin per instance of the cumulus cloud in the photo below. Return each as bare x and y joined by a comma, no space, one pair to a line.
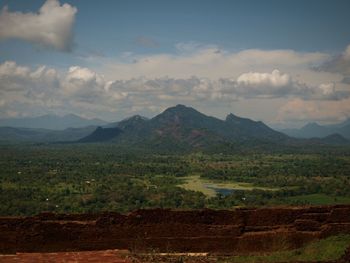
274,84
19,78
282,85
51,26
82,89
274,79
82,82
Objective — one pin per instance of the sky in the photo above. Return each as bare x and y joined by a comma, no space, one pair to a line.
283,62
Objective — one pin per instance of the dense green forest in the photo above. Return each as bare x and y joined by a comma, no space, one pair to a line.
98,177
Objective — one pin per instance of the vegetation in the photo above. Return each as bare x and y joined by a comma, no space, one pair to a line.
74,178
320,199
331,248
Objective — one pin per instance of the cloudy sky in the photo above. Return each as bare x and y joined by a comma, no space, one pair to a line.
283,62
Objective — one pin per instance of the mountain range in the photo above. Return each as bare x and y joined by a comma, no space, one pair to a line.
182,127
177,128
315,130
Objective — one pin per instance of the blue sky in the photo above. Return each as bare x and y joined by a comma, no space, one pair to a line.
112,27
105,42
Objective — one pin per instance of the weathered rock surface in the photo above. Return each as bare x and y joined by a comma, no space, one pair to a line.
220,232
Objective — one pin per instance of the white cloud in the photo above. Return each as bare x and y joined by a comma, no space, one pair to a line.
208,61
82,90
19,78
11,69
50,27
298,110
281,85
274,79
327,88
83,81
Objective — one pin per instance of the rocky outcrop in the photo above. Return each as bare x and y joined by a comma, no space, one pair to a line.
215,231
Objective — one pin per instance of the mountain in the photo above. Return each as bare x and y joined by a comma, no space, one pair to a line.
311,130
101,135
51,122
252,129
344,131
334,139
183,127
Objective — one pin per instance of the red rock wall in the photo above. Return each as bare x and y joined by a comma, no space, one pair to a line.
222,231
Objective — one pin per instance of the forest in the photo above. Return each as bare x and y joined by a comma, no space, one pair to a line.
88,178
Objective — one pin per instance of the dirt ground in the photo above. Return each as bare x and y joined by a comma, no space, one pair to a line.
105,256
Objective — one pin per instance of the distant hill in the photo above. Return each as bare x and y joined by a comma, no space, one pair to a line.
125,121
101,135
333,139
51,122
10,134
311,130
183,127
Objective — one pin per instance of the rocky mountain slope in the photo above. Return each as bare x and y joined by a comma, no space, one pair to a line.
186,127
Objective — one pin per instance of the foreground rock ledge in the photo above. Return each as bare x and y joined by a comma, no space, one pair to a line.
240,231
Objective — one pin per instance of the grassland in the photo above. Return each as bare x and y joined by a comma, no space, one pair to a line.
207,186
324,250
320,199
331,248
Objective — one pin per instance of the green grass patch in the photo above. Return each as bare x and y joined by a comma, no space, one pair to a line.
320,199
331,248
196,183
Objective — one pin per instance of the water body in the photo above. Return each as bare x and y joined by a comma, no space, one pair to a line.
222,191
